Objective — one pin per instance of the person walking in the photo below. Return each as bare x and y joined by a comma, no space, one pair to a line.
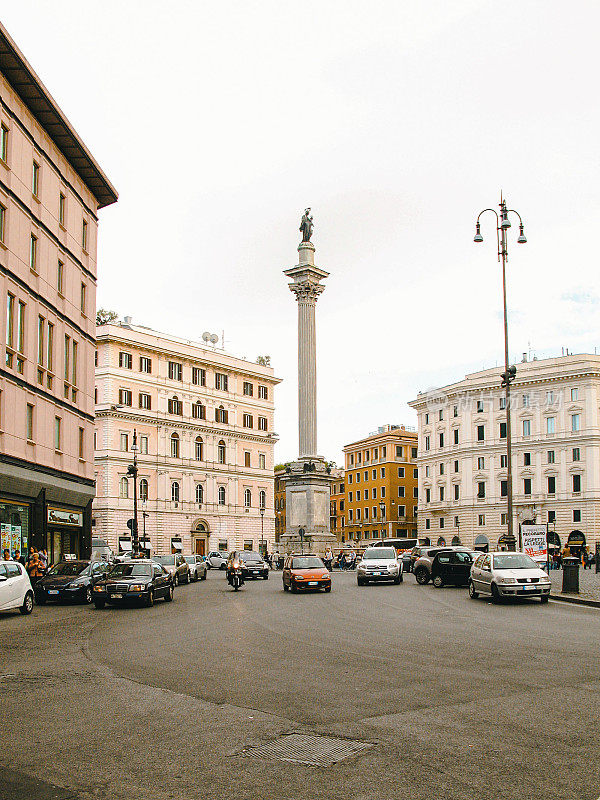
6,554
34,567
19,557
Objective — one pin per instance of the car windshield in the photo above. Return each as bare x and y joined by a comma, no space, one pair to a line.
129,571
307,562
514,561
250,555
167,560
190,559
378,553
68,568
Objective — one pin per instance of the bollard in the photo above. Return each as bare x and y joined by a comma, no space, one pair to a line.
570,575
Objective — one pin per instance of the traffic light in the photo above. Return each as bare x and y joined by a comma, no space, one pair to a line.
509,376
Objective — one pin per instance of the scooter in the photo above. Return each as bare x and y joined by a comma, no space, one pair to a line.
235,577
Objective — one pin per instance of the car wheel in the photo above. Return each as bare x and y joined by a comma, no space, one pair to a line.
286,588
327,589
169,594
266,577
422,576
88,595
27,606
472,593
204,575
360,581
150,600
544,598
400,578
293,588
495,594
223,566
99,604
40,599
397,580
438,582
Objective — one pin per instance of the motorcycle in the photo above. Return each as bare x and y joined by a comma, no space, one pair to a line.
235,577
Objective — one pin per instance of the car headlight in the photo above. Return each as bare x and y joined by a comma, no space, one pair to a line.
298,577
325,575
98,588
507,580
137,587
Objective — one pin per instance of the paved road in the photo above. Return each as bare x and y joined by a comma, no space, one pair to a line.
457,698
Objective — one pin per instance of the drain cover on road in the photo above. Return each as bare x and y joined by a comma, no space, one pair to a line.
316,751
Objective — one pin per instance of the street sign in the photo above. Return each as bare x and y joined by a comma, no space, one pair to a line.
535,542
130,524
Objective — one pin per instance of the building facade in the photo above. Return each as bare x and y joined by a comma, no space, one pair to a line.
381,481
555,426
203,421
51,189
279,501
337,505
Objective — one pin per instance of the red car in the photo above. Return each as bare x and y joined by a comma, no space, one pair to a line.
305,572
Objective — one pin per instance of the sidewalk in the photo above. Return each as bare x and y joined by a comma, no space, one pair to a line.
589,585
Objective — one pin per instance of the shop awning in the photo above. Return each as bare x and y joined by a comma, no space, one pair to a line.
125,545
176,545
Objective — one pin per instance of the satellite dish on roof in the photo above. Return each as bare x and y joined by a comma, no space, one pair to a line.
214,338
206,336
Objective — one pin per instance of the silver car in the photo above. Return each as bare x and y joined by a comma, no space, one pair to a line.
379,564
216,560
508,574
197,565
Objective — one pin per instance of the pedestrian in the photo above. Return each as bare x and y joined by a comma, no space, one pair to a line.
34,567
19,557
328,558
43,557
6,554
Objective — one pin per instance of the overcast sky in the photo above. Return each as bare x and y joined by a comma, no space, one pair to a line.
397,122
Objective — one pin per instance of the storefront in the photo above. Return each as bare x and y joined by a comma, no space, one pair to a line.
576,543
15,521
64,533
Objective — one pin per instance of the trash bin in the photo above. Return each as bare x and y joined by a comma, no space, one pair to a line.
570,575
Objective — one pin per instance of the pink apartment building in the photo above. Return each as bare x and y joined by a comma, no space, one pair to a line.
50,191
203,421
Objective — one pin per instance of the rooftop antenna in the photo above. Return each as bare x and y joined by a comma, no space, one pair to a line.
210,337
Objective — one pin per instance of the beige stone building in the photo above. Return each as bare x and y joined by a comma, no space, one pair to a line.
204,425
555,424
51,189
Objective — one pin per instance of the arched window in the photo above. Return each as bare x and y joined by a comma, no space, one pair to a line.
199,449
221,452
175,405
123,487
221,495
198,410
199,494
262,499
221,415
175,492
143,489
247,498
174,445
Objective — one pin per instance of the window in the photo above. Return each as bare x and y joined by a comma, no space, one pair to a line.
426,419
29,422
415,492
441,469
414,452
21,327
502,403
383,491
427,524
441,439
175,405
199,449
221,495
575,422
503,430
84,234
60,273
481,489
551,516
82,298
10,311
125,360
525,401
526,459
576,483
551,484
124,488
145,401
503,462
358,494
351,458
401,491
574,394
199,494
455,435
442,522
398,451
550,456
550,398
248,422
124,442
221,381
358,514
374,474
145,364
198,410
221,452
198,376
427,443
456,466
2,221
480,433
576,454
481,462
481,520
382,472
350,478
50,350
175,492
125,397
174,445
456,491
74,367
221,415
175,371
248,389
526,427
527,486
550,424
247,458
480,406
576,515
262,423
35,179
263,392
40,348
4,143
247,498
428,495
143,489
503,488
144,445
61,209
57,433
33,247
400,472
350,496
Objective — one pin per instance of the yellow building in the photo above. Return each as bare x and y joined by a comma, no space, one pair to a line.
337,505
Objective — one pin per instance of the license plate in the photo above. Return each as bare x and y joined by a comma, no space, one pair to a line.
255,572
52,591
529,588
313,583
117,596
377,573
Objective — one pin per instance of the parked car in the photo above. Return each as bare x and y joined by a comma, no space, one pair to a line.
379,564
305,572
422,565
216,560
176,565
253,565
451,567
135,580
197,565
508,574
15,588
70,580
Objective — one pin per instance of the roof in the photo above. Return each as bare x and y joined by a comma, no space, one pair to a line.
20,75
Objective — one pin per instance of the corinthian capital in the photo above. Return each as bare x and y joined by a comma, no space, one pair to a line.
306,291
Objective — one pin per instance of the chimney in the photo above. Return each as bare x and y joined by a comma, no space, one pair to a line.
127,320
524,359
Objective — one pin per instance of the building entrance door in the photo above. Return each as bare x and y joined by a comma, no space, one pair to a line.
200,545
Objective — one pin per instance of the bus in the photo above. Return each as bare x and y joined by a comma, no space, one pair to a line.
402,545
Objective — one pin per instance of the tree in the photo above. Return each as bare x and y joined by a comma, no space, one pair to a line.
264,361
103,317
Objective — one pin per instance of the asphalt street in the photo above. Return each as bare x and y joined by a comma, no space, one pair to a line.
455,698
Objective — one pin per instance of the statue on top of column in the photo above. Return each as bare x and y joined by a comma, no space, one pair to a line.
306,226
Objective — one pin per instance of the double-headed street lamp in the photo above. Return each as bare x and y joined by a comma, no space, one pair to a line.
502,226
132,472
262,529
382,509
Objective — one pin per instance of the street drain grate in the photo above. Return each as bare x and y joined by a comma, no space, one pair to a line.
315,751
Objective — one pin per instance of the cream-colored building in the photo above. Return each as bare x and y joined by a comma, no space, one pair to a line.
51,189
555,425
204,425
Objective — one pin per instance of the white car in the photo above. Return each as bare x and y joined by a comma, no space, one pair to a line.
15,588
508,574
197,566
379,564
216,560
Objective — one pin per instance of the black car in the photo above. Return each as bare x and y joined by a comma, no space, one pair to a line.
134,580
253,564
70,580
452,567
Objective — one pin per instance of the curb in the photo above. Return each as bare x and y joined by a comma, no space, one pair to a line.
579,601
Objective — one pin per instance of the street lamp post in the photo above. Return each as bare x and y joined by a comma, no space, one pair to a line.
502,226
262,519
132,472
382,509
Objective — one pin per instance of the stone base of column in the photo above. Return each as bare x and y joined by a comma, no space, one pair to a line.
307,498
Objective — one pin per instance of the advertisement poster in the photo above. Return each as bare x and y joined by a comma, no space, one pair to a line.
535,542
15,538
5,534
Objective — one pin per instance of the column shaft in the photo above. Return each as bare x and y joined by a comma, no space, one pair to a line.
307,377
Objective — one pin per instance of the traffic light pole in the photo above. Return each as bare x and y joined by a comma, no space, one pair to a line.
132,471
